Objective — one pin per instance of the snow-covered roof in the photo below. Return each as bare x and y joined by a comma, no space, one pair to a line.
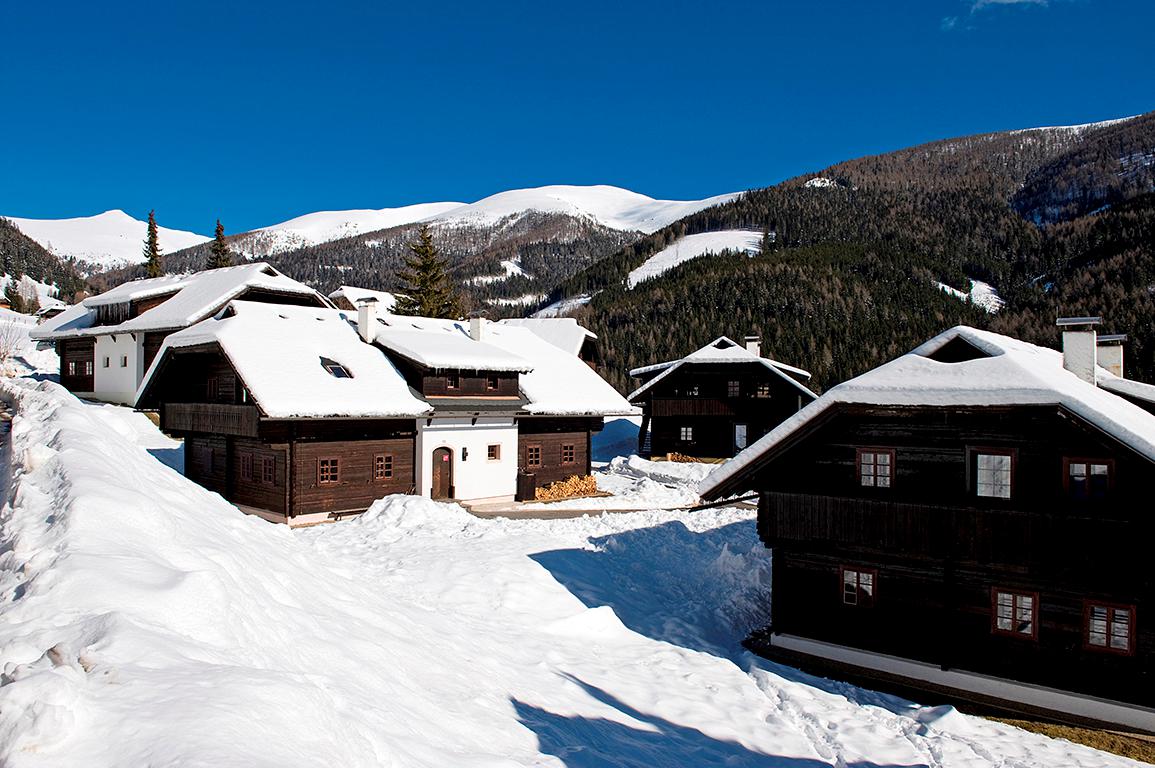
720,350
444,345
1007,372
385,301
195,297
279,352
1126,387
563,332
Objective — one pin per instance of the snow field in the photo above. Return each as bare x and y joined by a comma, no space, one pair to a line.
109,239
692,247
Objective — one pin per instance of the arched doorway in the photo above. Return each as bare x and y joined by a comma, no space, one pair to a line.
442,473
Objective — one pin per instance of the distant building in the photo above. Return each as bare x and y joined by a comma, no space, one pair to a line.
716,401
973,518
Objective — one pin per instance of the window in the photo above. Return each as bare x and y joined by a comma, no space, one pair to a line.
993,475
875,467
1088,478
1015,613
733,388
71,367
687,434
124,361
568,453
1110,627
335,369
106,361
453,381
692,391
533,456
491,381
247,466
212,388
493,452
858,586
763,390
268,470
87,367
328,471
383,466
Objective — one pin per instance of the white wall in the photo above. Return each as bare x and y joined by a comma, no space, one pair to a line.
117,383
475,476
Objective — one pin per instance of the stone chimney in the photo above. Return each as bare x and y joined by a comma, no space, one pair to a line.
1079,347
367,319
477,328
1110,352
754,345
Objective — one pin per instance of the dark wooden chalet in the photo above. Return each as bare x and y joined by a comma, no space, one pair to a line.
970,519
715,401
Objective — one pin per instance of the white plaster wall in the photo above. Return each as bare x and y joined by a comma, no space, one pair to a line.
475,476
1079,354
117,383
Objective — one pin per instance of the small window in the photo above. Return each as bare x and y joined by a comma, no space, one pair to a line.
568,453
71,367
124,361
1088,478
858,586
247,466
733,388
383,466
687,434
1110,627
491,381
106,362
328,471
875,467
212,389
692,391
993,475
453,381
268,470
533,456
335,369
87,367
1015,613
493,452
763,391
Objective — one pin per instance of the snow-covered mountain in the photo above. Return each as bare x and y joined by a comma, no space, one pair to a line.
109,239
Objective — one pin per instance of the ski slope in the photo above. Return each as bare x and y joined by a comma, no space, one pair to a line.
692,247
107,240
982,295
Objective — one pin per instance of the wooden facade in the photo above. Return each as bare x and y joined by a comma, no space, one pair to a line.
77,363
468,384
715,410
554,449
937,553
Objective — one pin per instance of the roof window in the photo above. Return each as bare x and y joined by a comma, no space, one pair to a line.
335,369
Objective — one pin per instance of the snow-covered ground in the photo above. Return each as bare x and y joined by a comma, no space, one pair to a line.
692,247
982,295
517,301
563,307
509,268
146,621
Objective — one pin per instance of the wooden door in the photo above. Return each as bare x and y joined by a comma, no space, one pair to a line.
442,473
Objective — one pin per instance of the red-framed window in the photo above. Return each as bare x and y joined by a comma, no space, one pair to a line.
383,466
1109,627
328,471
533,455
1015,613
247,466
1088,478
568,453
875,467
268,470
859,585
994,472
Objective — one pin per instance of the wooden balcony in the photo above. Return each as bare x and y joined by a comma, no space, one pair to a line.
210,418
692,406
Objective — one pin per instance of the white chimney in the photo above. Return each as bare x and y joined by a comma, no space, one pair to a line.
754,345
367,319
476,328
1079,347
1110,352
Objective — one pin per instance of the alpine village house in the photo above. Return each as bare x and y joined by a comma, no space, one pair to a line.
714,402
972,518
303,414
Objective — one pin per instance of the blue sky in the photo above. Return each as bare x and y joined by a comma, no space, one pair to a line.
257,112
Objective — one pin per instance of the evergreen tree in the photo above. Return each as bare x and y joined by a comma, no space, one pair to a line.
152,249
429,293
13,297
219,255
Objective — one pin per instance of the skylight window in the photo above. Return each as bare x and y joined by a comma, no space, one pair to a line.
335,369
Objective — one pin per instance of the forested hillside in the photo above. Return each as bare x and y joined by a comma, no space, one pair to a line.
20,255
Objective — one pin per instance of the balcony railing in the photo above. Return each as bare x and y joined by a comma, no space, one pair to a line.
212,418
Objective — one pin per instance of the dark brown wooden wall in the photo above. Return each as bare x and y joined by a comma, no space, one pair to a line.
140,306
150,347
551,434
256,492
473,384
357,489
206,460
79,351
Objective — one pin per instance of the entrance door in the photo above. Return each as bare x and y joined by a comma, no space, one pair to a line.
739,436
443,473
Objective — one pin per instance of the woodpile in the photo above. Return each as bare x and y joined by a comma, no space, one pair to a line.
681,458
570,488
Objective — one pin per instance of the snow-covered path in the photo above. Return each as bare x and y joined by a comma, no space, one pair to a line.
147,622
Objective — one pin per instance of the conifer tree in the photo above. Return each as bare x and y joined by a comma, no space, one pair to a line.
152,249
219,255
429,293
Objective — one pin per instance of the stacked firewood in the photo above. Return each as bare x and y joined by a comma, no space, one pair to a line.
568,489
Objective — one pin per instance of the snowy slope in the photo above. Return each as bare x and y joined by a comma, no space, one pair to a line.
691,247
148,622
109,239
982,295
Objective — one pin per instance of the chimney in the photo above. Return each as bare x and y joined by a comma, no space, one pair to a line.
367,319
476,328
754,345
1079,348
1110,352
